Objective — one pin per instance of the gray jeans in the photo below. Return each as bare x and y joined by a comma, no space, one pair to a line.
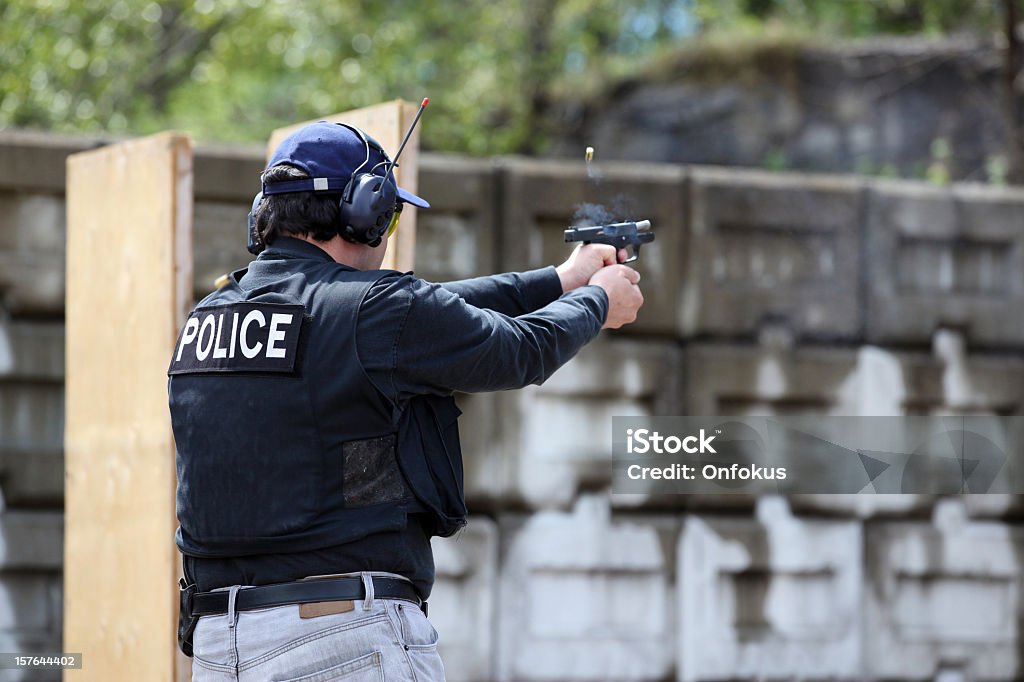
380,640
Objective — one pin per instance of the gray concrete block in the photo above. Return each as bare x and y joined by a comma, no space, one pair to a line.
35,161
32,231
25,602
772,248
777,597
945,257
463,601
584,596
539,199
456,237
31,415
870,381
32,643
31,540
944,597
219,241
32,350
736,380
863,506
32,477
228,173
994,505
489,466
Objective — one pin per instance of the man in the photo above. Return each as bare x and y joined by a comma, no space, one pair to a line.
316,433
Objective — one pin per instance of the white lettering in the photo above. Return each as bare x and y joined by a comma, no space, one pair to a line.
640,435
275,335
642,441
234,335
188,336
219,352
247,350
202,353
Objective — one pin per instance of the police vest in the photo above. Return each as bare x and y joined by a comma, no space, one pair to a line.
283,443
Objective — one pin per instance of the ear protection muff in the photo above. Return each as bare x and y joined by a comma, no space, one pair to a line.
254,242
368,201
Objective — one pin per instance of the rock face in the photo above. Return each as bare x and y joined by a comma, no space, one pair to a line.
878,107
767,294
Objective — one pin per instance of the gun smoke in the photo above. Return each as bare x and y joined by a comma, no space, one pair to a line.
588,215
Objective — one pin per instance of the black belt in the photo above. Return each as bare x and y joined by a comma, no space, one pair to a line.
302,592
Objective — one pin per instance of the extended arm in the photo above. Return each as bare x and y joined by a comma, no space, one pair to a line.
518,293
429,340
512,293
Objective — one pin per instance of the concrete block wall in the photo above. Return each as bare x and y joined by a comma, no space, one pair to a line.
583,597
945,258
769,597
777,249
766,295
944,597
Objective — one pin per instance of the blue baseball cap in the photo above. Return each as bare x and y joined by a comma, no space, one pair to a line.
330,153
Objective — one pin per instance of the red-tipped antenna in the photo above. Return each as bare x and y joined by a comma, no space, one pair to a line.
408,134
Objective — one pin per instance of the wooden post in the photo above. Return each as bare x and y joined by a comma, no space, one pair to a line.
387,124
129,280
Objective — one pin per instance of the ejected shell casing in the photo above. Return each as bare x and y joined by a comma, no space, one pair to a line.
589,156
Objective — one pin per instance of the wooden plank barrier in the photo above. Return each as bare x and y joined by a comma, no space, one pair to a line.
129,280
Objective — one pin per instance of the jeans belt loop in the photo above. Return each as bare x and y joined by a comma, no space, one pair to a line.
368,588
232,614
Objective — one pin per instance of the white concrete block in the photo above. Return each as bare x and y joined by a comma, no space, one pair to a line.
584,597
772,597
489,461
944,596
565,442
463,602
542,444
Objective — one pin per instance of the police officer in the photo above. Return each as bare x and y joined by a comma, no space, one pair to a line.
317,443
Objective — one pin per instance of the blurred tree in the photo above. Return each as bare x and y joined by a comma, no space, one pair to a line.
233,70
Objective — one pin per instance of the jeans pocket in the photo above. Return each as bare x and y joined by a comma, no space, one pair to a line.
416,631
419,639
366,668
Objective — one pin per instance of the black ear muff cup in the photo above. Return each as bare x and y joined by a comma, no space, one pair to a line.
366,206
254,242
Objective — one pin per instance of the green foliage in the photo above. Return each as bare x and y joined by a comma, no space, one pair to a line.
856,18
498,73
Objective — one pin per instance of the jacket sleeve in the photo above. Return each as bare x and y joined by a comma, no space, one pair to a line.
429,340
512,293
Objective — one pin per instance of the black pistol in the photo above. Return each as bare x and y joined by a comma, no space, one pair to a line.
619,235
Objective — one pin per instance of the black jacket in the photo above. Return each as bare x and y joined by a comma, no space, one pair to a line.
342,424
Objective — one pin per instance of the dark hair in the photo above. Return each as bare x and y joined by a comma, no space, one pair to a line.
297,213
